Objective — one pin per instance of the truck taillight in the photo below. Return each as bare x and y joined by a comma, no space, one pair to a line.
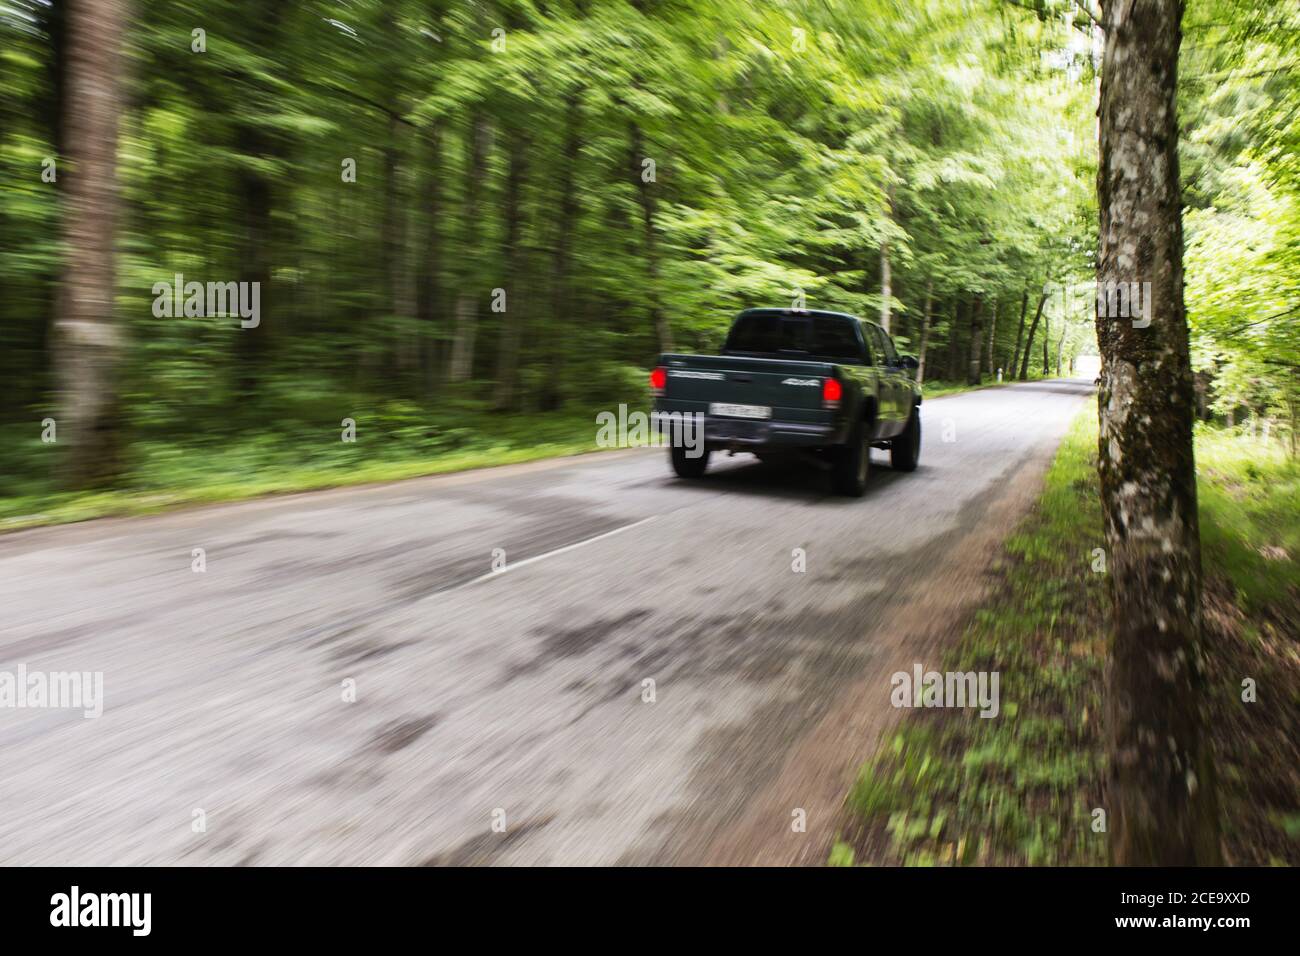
658,379
831,392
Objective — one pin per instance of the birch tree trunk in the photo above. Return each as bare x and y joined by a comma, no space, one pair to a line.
1161,791
86,337
886,277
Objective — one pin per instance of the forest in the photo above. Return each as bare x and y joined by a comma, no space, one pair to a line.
453,209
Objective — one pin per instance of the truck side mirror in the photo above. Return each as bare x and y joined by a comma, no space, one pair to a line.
909,362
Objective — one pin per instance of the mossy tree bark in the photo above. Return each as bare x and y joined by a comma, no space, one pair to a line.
1161,789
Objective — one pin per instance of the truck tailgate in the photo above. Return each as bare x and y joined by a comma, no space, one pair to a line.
792,390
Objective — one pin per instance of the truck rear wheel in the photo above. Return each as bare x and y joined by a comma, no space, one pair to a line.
905,450
687,467
851,463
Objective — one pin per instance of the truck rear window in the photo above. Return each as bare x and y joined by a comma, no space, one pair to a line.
815,336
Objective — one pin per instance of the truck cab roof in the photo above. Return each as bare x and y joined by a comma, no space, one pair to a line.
797,313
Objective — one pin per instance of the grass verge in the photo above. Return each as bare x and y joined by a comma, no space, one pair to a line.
944,389
950,788
393,441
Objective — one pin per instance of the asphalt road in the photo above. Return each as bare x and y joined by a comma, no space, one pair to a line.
514,698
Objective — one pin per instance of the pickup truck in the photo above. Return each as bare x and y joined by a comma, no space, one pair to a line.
792,380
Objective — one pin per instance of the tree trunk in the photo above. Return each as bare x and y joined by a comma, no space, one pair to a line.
1020,335
52,106
462,348
992,336
393,208
32,372
397,274
1029,344
258,198
886,279
428,271
646,198
513,256
552,395
952,371
257,201
1201,383
1161,790
1047,345
1293,413
650,246
925,334
886,289
976,341
87,338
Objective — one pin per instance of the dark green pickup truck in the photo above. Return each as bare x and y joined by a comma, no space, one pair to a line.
792,380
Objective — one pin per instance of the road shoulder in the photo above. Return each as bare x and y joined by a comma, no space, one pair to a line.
822,766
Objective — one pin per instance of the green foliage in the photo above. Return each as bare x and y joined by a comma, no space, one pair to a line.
1240,102
1250,507
395,440
790,142
841,855
952,788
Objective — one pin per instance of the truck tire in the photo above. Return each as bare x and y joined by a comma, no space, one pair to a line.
851,463
687,467
905,450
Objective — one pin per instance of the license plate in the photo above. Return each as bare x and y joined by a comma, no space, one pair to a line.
739,411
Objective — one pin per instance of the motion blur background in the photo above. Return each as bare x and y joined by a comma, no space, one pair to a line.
628,175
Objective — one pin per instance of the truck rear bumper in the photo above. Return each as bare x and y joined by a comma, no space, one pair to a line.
741,433
732,432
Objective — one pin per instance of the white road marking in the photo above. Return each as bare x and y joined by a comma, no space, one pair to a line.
511,565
